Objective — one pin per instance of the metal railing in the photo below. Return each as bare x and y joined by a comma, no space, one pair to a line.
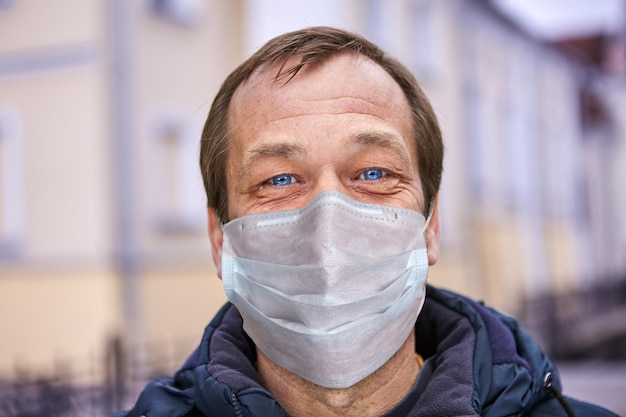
586,323
109,383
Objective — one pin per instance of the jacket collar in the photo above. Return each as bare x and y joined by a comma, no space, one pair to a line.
479,359
478,362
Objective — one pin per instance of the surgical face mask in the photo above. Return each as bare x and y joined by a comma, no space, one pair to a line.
330,291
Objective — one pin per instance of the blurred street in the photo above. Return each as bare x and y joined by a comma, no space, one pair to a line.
602,383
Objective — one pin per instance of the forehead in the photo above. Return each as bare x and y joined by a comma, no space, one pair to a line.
341,84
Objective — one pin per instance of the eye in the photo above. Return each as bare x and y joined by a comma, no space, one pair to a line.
372,174
282,180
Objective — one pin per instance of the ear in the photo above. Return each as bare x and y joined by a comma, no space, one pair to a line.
216,238
432,234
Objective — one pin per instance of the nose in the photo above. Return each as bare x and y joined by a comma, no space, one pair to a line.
329,180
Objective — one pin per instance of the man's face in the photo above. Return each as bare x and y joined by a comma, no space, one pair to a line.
342,125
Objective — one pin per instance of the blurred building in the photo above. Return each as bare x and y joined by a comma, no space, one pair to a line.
102,218
532,197
102,227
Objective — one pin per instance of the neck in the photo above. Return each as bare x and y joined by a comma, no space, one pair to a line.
374,396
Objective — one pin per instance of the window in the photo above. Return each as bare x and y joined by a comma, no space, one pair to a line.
427,35
181,12
11,185
178,198
6,3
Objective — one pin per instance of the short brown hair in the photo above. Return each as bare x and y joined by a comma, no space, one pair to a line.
314,45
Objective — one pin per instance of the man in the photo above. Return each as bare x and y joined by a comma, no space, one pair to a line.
322,160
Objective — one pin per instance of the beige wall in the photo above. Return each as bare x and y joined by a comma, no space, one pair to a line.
563,257
52,316
49,315
177,72
58,297
178,303
29,25
66,162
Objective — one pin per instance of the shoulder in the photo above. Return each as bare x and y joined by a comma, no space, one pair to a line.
504,349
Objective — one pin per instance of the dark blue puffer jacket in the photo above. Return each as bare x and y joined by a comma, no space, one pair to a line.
478,362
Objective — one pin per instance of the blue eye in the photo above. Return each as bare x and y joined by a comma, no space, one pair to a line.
282,180
372,174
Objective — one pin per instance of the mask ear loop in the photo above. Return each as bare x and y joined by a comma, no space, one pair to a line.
431,209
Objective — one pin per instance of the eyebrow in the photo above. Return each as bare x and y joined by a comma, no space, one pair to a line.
385,140
279,150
